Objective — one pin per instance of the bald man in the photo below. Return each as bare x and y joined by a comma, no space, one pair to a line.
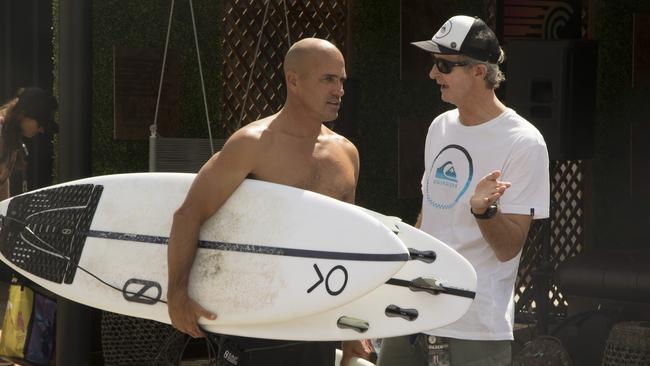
291,147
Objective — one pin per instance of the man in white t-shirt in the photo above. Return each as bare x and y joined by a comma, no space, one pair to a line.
485,179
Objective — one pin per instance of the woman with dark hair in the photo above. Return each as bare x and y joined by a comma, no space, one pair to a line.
26,115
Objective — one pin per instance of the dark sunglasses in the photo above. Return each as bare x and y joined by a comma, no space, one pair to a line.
446,66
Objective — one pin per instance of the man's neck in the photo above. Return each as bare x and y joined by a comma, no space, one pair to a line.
480,109
296,124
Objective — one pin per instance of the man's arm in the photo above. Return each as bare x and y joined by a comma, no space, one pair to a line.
418,221
506,233
214,183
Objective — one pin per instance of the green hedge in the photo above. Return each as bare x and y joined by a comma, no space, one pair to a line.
143,24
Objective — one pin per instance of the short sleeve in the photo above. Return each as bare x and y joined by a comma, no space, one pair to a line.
528,171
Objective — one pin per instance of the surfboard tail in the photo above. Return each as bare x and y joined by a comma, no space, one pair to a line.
44,232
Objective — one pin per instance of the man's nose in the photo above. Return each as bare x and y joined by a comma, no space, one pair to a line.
339,91
434,72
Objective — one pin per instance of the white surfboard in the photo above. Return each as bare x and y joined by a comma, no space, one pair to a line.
422,296
272,253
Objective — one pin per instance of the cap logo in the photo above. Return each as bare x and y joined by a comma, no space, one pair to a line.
444,30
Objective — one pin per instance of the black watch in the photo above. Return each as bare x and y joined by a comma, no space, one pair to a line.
488,214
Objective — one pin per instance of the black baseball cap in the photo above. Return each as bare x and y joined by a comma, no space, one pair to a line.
464,35
38,104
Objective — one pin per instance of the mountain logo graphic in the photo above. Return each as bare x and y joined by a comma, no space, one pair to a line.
447,172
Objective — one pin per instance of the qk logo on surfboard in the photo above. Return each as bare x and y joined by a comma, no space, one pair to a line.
449,177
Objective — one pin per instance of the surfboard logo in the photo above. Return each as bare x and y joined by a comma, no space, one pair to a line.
449,177
137,290
336,288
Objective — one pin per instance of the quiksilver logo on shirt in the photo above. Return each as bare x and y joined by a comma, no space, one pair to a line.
449,177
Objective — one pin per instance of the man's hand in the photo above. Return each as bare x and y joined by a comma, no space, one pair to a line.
184,313
488,191
361,349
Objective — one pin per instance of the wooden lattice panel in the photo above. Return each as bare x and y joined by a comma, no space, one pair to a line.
566,239
524,288
243,30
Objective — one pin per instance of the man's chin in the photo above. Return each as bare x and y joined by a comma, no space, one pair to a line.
332,119
329,117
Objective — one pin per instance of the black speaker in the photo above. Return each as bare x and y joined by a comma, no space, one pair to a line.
552,83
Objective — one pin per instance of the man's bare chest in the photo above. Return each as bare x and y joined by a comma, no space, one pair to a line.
328,173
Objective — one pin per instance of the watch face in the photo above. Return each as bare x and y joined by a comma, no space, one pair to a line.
491,211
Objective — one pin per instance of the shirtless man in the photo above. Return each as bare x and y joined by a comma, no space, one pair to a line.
291,147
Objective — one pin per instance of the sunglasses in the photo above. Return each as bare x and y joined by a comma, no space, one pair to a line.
446,66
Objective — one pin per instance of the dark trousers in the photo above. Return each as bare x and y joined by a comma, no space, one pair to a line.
242,351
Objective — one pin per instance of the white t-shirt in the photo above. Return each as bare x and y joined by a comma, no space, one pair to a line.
456,158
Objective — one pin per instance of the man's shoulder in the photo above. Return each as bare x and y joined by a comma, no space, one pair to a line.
248,138
514,118
336,139
450,114
520,127
446,118
252,132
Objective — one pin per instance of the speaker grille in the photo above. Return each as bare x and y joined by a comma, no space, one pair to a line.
181,155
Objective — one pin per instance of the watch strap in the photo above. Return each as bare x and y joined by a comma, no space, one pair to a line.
488,214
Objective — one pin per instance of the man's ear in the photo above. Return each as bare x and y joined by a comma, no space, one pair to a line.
480,71
292,79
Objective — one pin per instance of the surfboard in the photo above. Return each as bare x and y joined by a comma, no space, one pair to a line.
272,253
432,290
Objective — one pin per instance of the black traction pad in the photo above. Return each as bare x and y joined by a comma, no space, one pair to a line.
44,232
